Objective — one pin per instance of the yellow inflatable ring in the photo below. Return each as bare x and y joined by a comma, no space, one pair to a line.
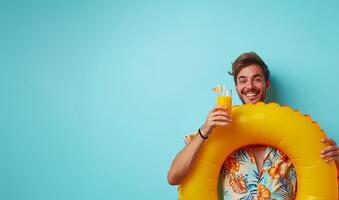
269,124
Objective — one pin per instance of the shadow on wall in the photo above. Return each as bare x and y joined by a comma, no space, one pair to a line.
273,94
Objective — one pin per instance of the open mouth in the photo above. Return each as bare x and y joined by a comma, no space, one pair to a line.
251,95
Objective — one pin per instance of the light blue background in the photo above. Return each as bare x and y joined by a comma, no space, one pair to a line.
96,95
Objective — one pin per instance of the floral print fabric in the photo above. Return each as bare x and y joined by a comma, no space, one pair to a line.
242,180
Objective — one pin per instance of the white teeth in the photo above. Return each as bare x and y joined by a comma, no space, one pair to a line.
250,94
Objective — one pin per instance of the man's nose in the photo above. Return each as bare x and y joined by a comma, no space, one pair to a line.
249,84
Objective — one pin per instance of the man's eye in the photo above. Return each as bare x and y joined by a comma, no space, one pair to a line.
258,79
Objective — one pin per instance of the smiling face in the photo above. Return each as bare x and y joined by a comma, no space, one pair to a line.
251,85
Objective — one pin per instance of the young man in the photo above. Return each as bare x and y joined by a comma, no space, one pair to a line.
255,171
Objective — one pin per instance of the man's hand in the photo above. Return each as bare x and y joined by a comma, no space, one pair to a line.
330,153
218,116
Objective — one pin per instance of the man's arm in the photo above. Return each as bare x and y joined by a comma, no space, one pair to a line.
184,160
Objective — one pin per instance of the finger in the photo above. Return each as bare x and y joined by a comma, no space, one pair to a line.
223,108
330,159
221,119
211,113
334,153
215,108
329,141
216,123
220,113
329,155
328,149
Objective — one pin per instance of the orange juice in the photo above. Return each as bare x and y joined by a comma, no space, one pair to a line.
225,101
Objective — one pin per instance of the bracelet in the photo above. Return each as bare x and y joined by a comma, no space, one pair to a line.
203,137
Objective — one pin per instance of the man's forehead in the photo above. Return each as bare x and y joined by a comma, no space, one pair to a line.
251,71
250,75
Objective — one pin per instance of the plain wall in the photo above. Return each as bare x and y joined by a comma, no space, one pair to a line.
96,95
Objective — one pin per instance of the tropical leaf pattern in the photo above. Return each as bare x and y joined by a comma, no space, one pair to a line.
277,179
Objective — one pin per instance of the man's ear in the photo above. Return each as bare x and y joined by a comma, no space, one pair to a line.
268,84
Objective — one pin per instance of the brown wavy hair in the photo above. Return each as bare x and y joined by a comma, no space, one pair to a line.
245,60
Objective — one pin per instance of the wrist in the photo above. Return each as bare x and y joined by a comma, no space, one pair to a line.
202,135
205,130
